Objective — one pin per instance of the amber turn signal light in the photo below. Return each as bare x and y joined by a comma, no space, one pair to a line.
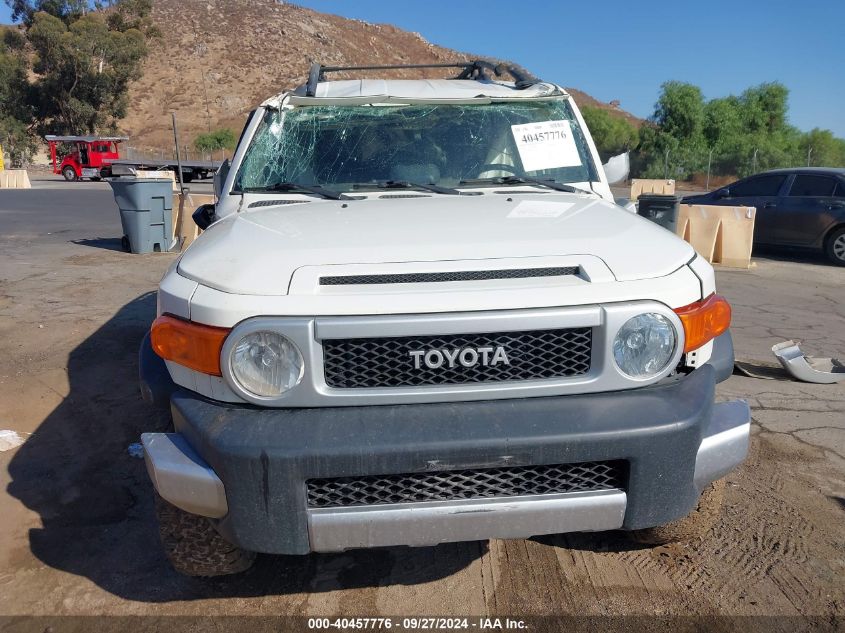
190,344
704,320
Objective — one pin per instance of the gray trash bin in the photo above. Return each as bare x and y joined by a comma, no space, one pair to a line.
660,209
146,207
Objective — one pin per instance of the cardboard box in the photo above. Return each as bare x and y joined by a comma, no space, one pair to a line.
641,186
14,179
722,235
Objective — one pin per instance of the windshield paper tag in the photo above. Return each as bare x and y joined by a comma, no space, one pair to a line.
546,145
533,209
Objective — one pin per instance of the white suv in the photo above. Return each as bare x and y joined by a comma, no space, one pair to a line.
417,316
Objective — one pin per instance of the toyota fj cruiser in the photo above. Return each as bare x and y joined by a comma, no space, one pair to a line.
417,316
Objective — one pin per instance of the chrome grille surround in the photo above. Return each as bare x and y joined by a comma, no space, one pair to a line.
485,483
310,334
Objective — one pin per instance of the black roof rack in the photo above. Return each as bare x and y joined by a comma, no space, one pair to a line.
476,69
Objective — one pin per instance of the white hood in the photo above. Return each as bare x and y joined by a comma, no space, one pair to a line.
256,252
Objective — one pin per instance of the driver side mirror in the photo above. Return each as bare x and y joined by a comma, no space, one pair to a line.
724,192
204,216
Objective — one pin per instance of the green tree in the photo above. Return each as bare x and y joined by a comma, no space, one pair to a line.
84,72
15,110
223,138
679,111
764,107
742,135
83,59
674,146
661,155
66,10
723,121
821,148
612,134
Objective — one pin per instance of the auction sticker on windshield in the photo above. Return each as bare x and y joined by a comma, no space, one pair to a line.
546,145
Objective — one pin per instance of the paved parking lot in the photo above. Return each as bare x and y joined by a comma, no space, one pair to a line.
78,531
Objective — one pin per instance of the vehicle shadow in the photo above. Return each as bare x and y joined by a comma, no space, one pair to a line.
790,254
614,541
95,501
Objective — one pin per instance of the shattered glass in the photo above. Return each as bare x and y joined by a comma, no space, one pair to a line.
340,146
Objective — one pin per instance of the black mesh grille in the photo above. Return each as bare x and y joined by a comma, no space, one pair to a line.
466,484
275,203
461,275
387,362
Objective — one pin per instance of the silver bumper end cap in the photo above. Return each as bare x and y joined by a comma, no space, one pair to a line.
725,442
181,476
431,523
823,371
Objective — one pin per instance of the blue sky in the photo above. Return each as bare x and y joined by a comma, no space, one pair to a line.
625,50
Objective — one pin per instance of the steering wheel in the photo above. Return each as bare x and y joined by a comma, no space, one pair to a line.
511,169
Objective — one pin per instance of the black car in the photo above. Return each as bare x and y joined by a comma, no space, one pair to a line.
795,207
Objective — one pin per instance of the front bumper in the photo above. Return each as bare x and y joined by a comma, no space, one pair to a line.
247,467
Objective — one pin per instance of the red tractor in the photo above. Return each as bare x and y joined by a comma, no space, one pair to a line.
91,156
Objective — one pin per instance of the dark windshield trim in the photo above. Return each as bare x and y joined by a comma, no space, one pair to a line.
404,184
526,180
293,187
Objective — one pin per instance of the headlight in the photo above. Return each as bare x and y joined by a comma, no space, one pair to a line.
266,364
644,345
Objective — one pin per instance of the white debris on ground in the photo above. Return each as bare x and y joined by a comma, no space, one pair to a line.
136,450
10,440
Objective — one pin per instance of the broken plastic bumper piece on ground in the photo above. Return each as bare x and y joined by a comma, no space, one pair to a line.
808,368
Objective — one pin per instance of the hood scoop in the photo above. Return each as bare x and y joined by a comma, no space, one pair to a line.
440,277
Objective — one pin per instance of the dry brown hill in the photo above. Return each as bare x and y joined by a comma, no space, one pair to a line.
220,58
584,100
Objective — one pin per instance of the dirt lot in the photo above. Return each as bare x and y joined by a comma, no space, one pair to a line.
78,533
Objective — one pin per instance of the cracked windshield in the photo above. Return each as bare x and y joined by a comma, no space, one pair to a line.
355,147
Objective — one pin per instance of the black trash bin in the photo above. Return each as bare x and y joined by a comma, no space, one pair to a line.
660,209
146,208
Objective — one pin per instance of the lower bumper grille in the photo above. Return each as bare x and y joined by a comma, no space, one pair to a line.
452,485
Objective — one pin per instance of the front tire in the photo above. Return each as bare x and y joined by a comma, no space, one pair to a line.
835,247
194,547
695,525
69,173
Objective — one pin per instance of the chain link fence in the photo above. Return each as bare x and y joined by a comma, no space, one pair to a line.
711,168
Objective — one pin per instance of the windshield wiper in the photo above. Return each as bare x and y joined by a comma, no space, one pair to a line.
295,186
404,184
525,180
